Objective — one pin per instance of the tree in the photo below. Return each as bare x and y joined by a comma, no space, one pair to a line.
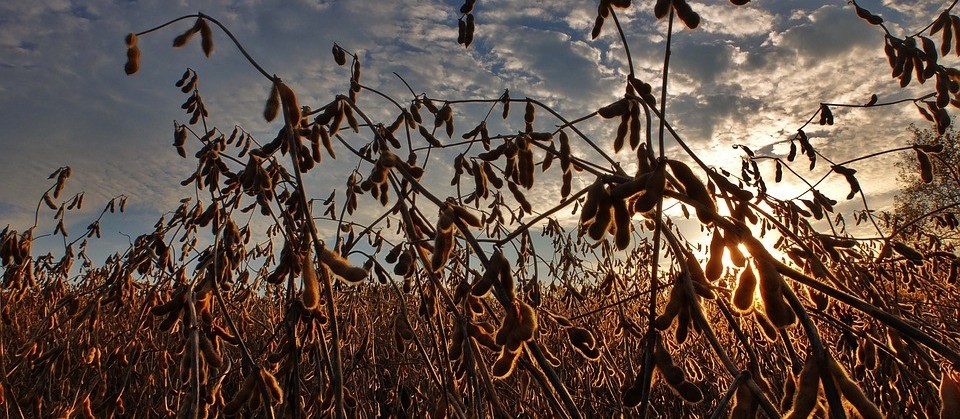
931,198
449,305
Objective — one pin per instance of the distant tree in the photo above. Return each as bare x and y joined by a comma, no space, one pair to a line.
934,202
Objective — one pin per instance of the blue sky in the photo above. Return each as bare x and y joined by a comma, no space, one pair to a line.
748,75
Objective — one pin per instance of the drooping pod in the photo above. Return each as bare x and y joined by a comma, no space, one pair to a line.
341,267
808,388
852,392
311,282
696,190
746,287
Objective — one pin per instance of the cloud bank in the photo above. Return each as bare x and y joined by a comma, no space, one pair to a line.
750,75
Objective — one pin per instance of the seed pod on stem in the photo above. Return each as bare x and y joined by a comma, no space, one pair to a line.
808,387
949,393
695,189
771,285
746,287
242,396
505,363
714,266
206,37
290,104
311,282
341,267
852,392
133,60
273,104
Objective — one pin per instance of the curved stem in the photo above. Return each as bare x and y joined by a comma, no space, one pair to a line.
623,39
240,47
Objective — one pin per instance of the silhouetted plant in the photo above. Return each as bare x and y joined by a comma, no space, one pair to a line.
449,306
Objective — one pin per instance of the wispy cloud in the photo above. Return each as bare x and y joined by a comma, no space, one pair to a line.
749,75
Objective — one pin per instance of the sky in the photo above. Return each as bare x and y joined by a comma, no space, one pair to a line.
749,75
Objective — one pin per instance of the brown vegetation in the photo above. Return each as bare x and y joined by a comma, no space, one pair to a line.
480,304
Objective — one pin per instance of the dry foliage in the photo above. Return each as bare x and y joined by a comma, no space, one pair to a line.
480,304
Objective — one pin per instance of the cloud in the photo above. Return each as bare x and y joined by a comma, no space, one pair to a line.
703,112
724,20
912,13
750,75
827,33
701,64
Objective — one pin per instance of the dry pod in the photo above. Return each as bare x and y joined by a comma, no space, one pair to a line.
808,388
528,324
483,334
183,38
746,287
505,363
621,219
311,283
431,139
210,354
768,329
661,8
482,287
443,241
632,393
618,108
339,55
591,204
584,342
529,115
505,99
469,31
402,328
926,168
175,304
714,267
273,387
632,187
206,37
746,405
771,285
686,14
653,190
866,15
466,216
906,251
551,358
867,354
133,59
696,190
690,392
597,27
674,375
949,394
290,104
341,267
604,216
853,393
273,104
676,302
246,392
